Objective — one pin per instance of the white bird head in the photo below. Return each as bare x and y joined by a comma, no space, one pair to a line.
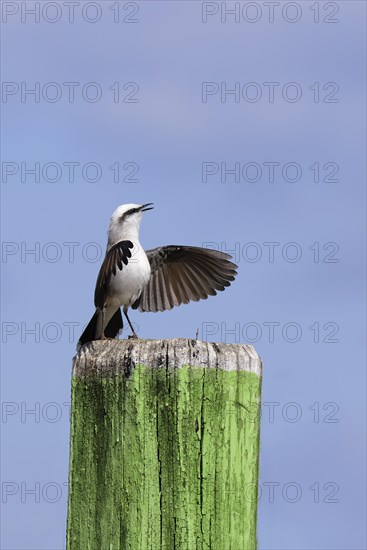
125,222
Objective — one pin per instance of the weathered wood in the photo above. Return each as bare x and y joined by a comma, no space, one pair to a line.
164,446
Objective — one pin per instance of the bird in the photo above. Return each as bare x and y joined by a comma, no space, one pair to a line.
153,280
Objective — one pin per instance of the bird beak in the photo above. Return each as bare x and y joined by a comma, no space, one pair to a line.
146,207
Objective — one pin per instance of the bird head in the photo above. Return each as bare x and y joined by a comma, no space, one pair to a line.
125,222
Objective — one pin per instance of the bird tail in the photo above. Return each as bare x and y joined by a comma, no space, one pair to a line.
113,328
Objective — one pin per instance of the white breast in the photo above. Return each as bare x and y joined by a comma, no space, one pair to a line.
126,286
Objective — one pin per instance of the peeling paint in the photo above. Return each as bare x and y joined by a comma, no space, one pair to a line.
164,453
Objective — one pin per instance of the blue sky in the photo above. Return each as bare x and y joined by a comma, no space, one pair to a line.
174,122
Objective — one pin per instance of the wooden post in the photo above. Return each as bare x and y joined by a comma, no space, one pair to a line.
164,446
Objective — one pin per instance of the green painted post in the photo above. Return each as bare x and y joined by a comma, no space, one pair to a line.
164,446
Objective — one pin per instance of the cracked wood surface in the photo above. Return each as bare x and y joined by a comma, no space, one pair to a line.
164,446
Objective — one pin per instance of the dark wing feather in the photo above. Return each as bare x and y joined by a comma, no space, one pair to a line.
184,273
117,256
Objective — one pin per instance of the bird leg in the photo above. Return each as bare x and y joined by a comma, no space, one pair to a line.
133,335
103,321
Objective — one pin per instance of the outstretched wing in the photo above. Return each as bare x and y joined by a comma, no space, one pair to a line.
116,257
183,273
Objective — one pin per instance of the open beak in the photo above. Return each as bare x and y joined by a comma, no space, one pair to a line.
145,207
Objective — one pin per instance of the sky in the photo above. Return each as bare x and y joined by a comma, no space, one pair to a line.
244,123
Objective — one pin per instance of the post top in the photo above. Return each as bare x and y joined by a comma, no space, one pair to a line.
110,357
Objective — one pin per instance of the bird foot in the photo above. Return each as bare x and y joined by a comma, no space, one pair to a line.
133,335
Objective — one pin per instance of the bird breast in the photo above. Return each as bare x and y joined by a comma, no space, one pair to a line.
126,286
